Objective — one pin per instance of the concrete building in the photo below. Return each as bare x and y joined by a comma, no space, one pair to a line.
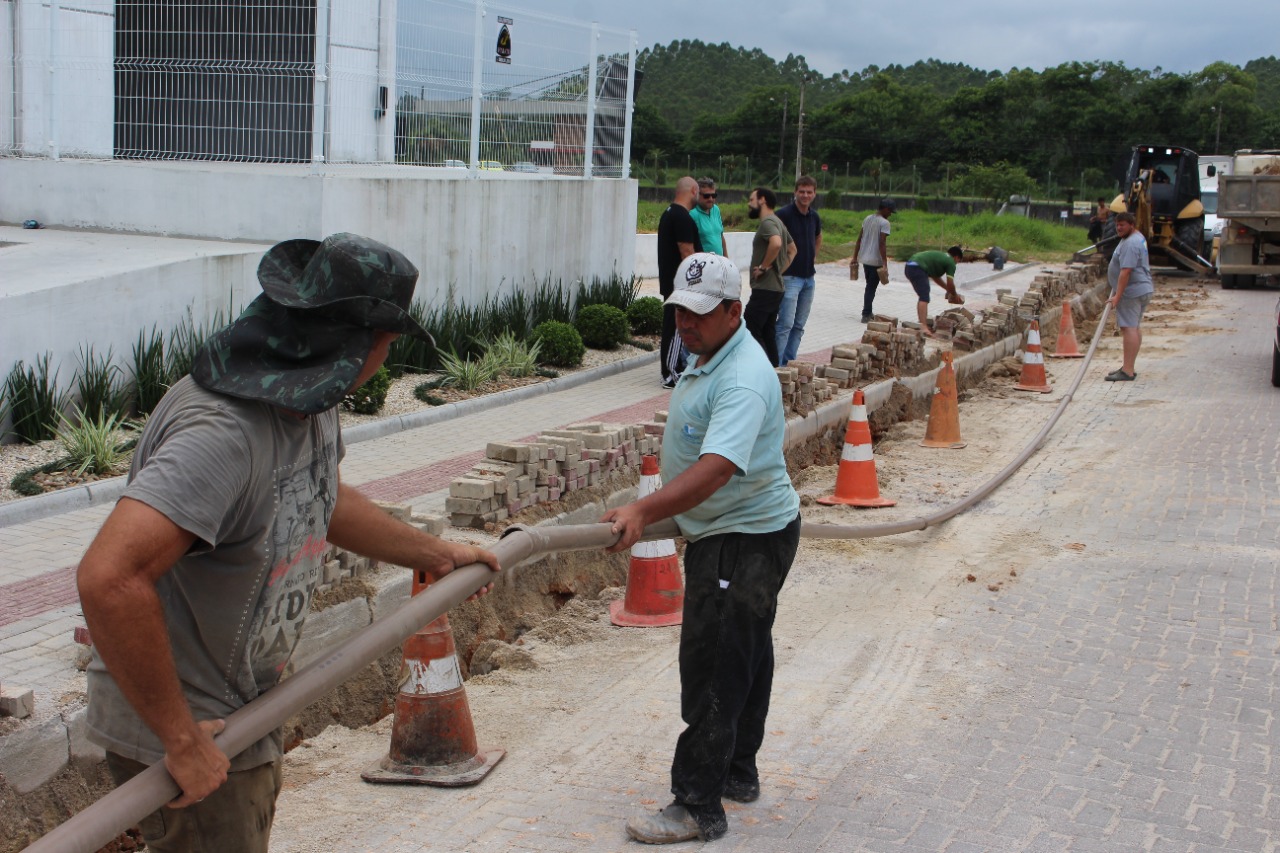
249,123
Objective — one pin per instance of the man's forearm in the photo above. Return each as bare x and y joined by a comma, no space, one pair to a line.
698,482
359,525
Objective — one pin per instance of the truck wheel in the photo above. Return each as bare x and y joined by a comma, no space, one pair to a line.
1275,366
1228,282
1191,232
1246,280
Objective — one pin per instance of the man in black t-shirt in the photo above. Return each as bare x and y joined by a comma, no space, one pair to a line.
677,240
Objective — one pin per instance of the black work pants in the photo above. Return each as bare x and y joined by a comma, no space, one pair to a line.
872,276
672,349
761,317
726,659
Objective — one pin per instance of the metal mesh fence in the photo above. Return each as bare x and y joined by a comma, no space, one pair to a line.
442,83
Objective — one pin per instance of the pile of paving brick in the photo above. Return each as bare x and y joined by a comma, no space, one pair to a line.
889,347
1010,315
805,385
514,476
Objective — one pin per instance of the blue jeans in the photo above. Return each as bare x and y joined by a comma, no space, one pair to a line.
797,299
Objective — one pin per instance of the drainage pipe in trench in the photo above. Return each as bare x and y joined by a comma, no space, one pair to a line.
128,804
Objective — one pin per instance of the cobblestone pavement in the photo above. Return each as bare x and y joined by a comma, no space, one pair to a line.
1109,684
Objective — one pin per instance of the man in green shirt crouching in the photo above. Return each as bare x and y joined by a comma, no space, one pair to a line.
933,265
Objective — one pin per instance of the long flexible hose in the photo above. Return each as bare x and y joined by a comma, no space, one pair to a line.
125,806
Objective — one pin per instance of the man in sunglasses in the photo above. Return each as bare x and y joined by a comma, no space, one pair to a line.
706,215
677,239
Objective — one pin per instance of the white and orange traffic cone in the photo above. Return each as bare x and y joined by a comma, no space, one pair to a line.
1068,346
655,589
856,483
1033,376
433,741
943,429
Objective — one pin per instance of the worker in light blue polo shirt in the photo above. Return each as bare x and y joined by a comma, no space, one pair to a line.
727,487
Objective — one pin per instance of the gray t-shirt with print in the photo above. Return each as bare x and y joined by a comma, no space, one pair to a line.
257,487
1131,254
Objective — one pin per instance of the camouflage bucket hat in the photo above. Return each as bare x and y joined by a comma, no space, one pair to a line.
302,344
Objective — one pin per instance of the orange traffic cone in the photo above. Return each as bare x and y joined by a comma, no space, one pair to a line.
943,429
433,741
856,478
655,590
1068,347
1033,376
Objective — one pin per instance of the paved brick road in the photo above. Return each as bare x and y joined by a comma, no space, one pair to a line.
1116,694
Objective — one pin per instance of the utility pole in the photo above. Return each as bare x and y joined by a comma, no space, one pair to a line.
1217,134
782,134
800,127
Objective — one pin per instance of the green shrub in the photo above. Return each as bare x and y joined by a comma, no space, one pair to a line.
559,343
645,316
99,385
186,339
33,401
602,326
370,397
151,377
423,392
512,356
466,374
24,482
410,354
551,302
93,444
615,290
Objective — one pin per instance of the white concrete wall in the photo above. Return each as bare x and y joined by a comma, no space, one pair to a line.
477,231
8,121
79,95
109,311
647,252
352,131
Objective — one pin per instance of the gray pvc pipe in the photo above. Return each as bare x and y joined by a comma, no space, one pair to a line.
97,825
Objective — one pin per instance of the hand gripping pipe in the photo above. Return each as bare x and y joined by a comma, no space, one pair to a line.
97,825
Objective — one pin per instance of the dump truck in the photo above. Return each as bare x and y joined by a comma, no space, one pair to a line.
1162,191
1249,201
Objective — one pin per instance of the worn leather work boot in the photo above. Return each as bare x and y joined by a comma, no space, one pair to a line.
674,824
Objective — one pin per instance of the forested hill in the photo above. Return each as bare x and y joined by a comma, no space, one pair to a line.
686,79
699,101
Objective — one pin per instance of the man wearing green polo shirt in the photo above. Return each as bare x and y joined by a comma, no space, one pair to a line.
933,265
727,487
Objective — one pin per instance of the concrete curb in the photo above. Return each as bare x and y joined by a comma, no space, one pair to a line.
107,491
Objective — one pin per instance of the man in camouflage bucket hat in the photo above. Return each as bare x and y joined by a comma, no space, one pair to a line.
197,586
301,343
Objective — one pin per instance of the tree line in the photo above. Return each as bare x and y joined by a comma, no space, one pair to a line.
1069,125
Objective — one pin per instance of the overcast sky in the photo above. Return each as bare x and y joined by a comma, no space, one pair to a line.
1176,35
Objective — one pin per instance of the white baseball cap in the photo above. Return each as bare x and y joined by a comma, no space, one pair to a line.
704,280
